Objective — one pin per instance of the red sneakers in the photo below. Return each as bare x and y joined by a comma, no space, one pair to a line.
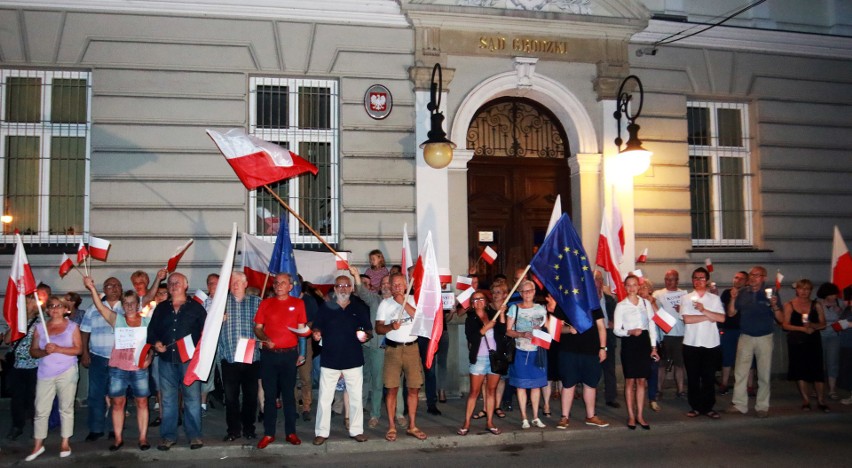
266,440
293,439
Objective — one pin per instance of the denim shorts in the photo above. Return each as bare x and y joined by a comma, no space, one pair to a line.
137,380
482,366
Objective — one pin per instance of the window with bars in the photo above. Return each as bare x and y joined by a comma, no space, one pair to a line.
302,116
719,174
44,154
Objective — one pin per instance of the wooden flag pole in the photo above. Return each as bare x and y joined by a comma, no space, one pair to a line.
304,223
508,296
265,282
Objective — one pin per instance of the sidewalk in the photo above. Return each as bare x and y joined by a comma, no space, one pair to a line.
440,429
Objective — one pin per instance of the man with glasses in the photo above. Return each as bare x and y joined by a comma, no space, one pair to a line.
702,352
275,322
757,311
98,339
343,323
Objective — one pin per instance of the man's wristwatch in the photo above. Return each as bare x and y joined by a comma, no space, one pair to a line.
604,348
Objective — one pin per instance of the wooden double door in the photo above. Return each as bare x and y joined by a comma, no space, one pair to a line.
509,205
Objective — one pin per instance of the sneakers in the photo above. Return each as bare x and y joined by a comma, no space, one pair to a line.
563,423
525,424
537,423
265,441
596,421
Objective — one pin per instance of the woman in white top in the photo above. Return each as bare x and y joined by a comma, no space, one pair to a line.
631,321
702,352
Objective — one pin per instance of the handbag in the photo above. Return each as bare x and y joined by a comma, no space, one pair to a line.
499,362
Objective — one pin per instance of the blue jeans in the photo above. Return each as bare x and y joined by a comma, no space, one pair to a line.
98,391
278,375
171,380
429,375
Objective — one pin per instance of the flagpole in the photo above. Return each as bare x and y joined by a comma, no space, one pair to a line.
304,223
515,287
265,282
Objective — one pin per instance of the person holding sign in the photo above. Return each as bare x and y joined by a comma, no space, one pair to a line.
128,362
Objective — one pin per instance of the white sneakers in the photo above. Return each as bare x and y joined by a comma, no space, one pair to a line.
537,423
525,424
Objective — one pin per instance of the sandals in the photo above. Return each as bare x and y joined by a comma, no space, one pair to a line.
462,431
417,433
692,414
390,436
481,414
500,414
713,415
495,430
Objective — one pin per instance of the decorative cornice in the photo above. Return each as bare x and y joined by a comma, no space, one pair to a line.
585,163
460,159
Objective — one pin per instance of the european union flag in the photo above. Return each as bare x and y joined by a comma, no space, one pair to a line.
563,266
283,258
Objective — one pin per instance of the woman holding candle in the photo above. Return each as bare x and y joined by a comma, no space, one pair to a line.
803,319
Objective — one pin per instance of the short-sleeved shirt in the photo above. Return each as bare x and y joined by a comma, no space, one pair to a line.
23,359
702,334
390,310
730,323
168,326
123,358
238,324
340,346
755,311
376,275
102,336
587,342
527,320
668,300
277,316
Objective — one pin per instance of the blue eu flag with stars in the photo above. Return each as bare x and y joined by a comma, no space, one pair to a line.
562,265
283,258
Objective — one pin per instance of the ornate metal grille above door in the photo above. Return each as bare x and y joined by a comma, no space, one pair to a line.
518,128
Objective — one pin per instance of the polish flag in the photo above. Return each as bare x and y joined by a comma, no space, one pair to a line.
617,230
140,354
245,350
555,214
541,338
643,257
463,282
65,266
489,255
606,260
342,261
200,297
664,320
554,327
258,162
841,262
638,274
445,276
99,248
429,318
464,297
319,268
709,265
171,265
537,282
778,278
407,259
82,253
840,325
186,348
21,282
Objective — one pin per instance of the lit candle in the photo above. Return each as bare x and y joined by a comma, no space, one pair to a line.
768,292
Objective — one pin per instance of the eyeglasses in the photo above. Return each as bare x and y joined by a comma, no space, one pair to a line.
279,283
110,286
479,299
527,291
55,306
129,305
342,286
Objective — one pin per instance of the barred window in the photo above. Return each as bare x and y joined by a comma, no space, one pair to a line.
719,174
302,116
44,154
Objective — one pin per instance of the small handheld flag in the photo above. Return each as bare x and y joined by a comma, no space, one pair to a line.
98,248
664,320
709,265
489,255
643,257
245,350
65,266
186,348
463,282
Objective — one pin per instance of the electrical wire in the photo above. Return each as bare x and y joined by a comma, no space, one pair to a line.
666,41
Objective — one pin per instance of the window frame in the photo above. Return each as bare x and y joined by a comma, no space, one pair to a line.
294,136
46,130
715,152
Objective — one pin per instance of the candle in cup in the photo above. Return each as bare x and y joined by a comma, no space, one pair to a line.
362,335
768,293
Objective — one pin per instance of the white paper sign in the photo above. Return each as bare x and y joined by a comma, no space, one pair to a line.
448,300
130,337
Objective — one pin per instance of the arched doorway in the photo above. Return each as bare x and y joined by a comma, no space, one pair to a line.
518,168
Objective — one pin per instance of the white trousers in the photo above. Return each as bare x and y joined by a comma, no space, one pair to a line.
354,379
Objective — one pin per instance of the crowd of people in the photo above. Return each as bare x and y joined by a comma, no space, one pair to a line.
356,342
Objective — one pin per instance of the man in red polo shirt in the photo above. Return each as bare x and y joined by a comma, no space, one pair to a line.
274,320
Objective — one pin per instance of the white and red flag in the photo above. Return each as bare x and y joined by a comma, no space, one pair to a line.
709,265
664,320
407,260
65,265
341,261
172,264
21,282
140,354
841,262
320,268
778,278
186,348
643,257
429,317
82,253
464,297
245,350
445,276
554,327
617,237
840,325
258,162
200,296
463,282
541,338
606,260
489,255
98,248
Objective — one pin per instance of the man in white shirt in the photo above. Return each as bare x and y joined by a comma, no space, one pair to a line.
702,351
669,299
394,319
